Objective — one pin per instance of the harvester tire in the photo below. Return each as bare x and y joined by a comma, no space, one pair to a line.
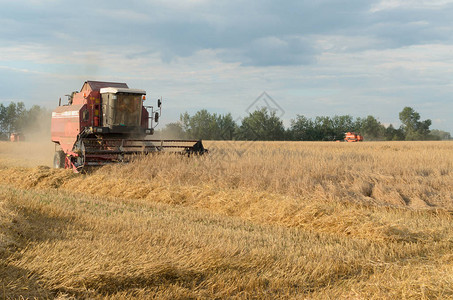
59,160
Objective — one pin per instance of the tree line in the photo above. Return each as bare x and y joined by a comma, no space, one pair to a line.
266,125
15,117
259,125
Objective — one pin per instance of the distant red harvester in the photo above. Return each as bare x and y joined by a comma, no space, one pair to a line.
353,137
16,137
107,122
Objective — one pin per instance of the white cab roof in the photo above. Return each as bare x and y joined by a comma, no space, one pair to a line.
115,90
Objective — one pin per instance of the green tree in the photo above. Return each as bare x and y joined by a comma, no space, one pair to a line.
302,129
10,118
16,118
440,135
262,125
341,125
371,128
204,125
323,129
2,116
184,120
393,134
413,128
227,127
3,135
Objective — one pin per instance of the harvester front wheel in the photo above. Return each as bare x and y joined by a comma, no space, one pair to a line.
59,159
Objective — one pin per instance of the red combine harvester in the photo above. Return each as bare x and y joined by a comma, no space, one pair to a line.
106,122
16,137
353,137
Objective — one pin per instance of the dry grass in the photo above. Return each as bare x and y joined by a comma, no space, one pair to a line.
279,220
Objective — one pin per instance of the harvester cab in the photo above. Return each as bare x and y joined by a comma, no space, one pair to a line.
106,122
122,111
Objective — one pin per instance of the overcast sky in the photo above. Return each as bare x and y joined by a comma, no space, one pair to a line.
328,57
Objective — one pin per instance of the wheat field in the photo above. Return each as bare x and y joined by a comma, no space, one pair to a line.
260,220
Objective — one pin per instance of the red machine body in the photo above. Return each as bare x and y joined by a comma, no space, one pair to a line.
353,137
107,122
83,112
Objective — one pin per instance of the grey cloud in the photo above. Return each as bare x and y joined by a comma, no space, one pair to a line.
236,26
257,33
412,26
273,51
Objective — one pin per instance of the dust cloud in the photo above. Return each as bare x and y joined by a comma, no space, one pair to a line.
36,150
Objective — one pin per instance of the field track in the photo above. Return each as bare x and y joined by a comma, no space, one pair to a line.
250,220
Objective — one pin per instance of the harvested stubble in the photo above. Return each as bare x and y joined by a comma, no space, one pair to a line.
280,220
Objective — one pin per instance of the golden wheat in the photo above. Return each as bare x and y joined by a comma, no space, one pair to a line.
249,220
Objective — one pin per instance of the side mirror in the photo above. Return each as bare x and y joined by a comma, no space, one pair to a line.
159,103
156,117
